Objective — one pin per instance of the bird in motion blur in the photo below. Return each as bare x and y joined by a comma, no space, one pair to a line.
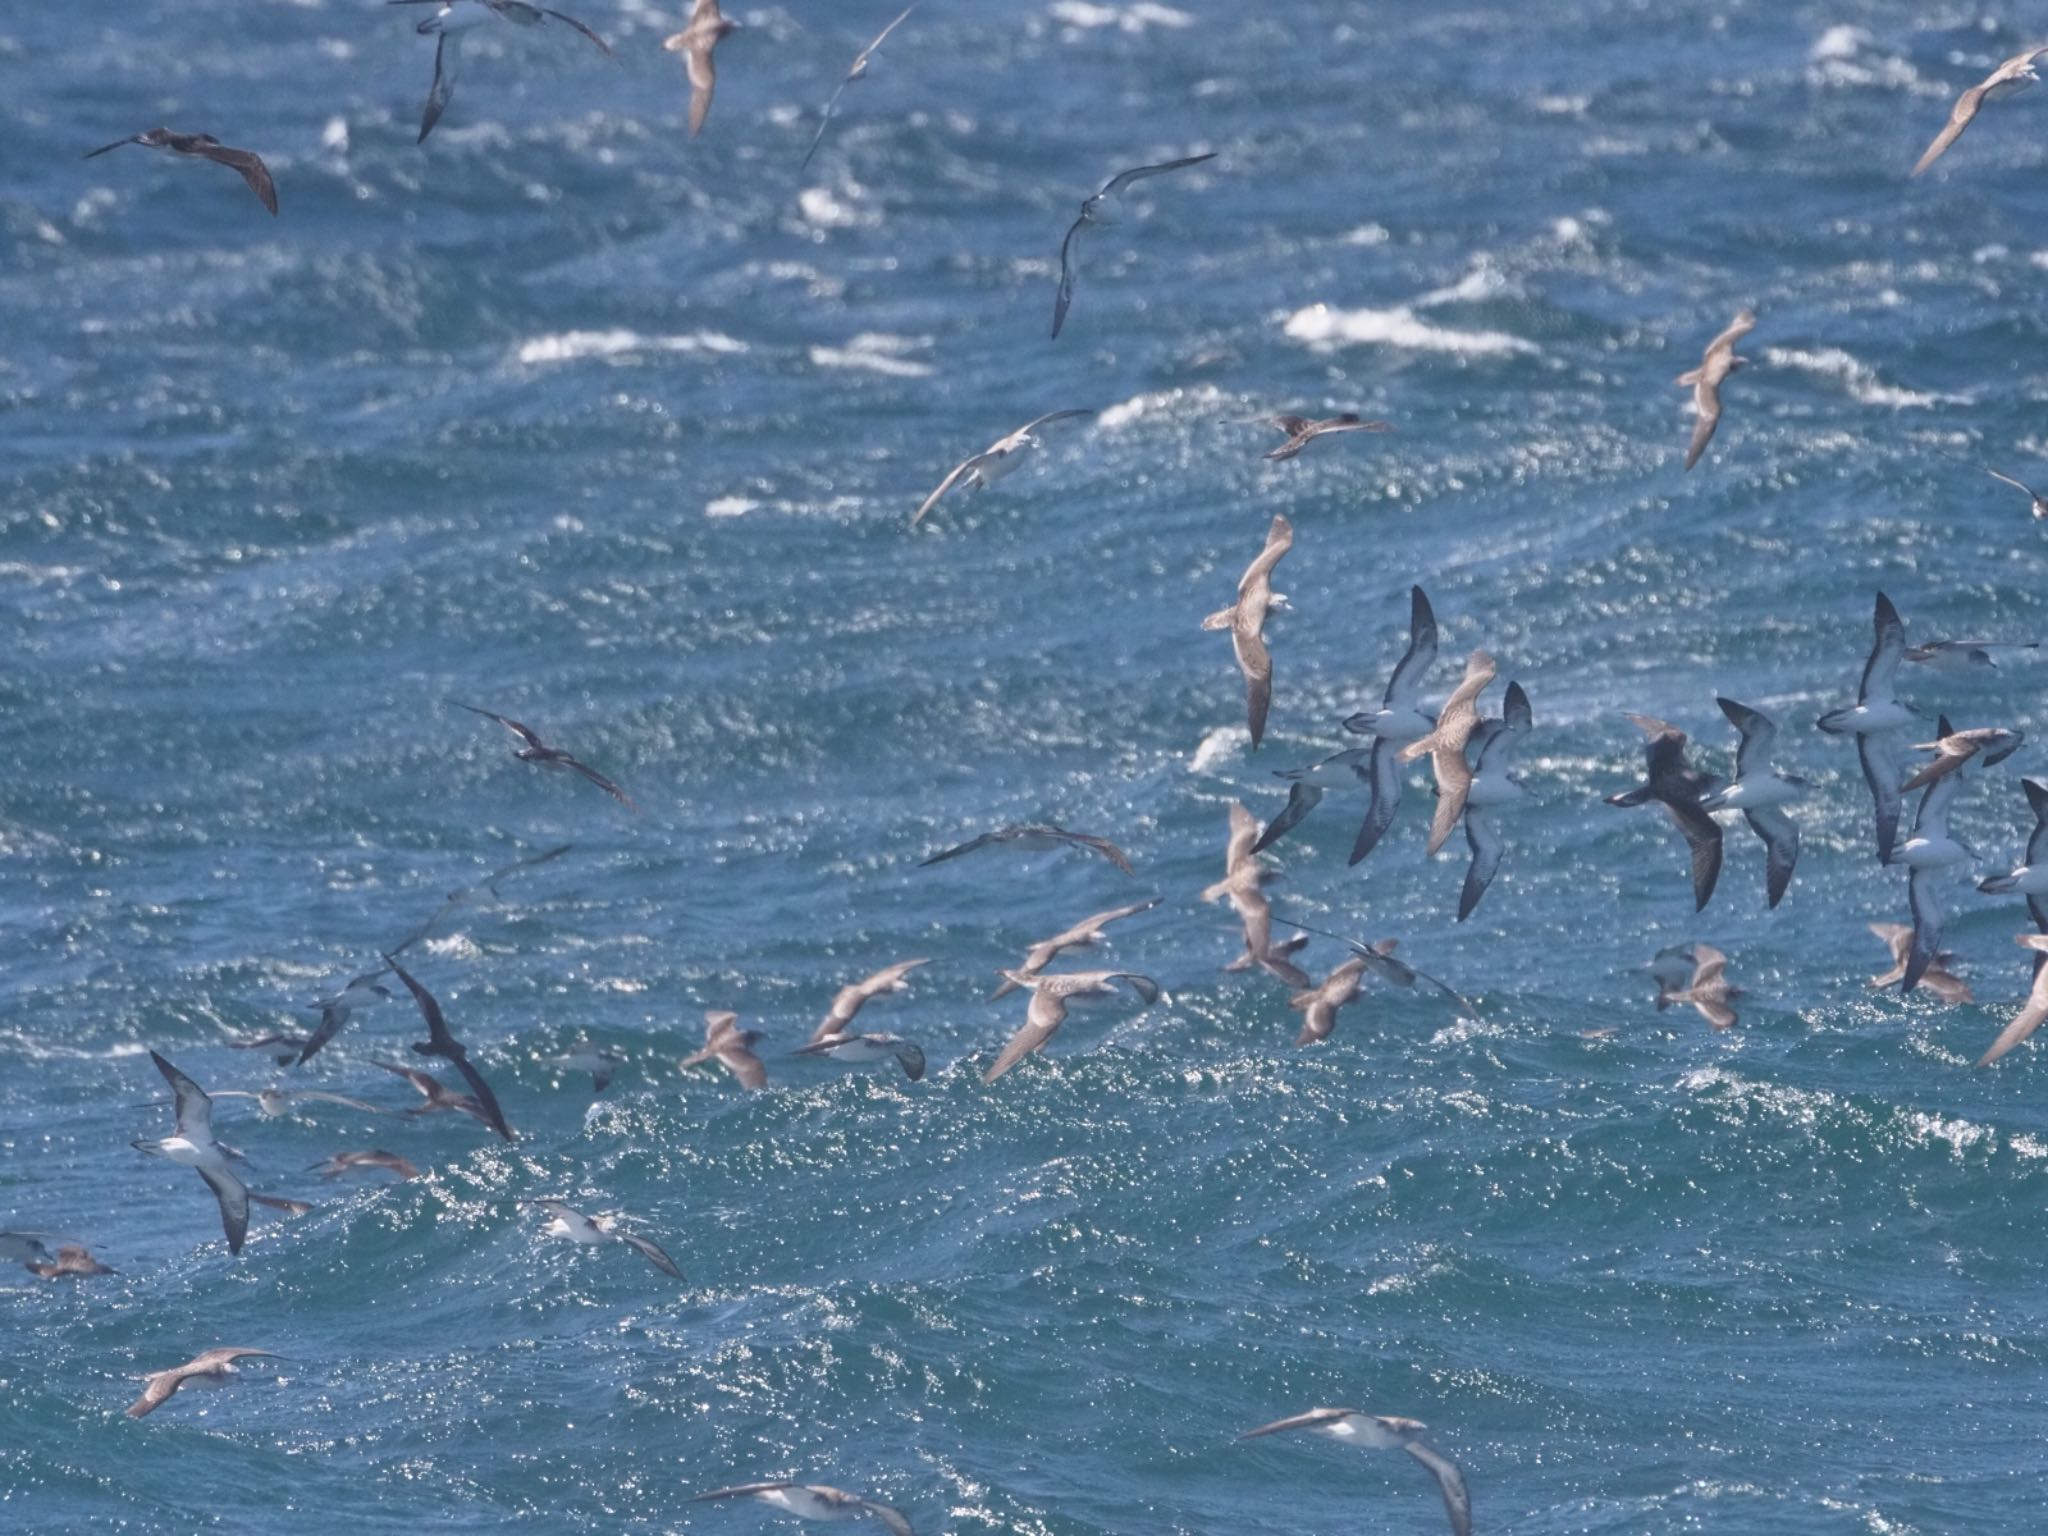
452,18
2011,77
248,164
859,71
1303,430
1097,211
537,751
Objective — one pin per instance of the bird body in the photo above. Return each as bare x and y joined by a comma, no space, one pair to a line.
215,1368
731,1047
1246,621
697,42
1051,995
192,1145
1706,380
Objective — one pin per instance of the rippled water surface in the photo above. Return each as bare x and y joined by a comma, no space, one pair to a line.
569,416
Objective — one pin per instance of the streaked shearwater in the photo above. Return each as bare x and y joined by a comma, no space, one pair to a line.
697,42
1246,621
1706,380
215,1368
1937,978
859,71
2015,74
1095,211
1874,718
1760,792
1050,994
983,469
378,1159
443,1044
571,1225
1678,787
538,751
814,1501
1035,837
859,1049
1987,745
2040,503
850,999
1319,1005
731,1047
1928,853
1706,989
1491,789
452,19
1302,430
1445,746
1244,876
1374,1432
249,165
73,1261
192,1146
1084,934
2033,1011
1396,723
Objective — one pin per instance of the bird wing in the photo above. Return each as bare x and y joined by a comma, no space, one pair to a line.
163,1386
1483,837
332,1017
743,1064
1703,836
2037,800
2030,1016
423,1081
1064,297
602,783
492,1116
1421,653
440,1041
1099,845
524,732
194,1108
1723,345
651,1252
1123,179
1960,117
1301,799
603,47
337,1098
703,81
2018,485
249,165
1315,1418
1042,1020
740,1491
234,1204
1758,731
1881,671
892,1518
1017,438
1781,848
1255,661
442,89
957,849
1706,394
1923,893
1386,797
1453,783
952,479
1881,773
1457,1498
1279,539
825,120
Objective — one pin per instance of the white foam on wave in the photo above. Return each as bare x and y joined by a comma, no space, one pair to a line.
574,346
1323,328
875,352
1841,56
1484,281
1173,401
1219,746
1136,18
1856,376
820,208
730,506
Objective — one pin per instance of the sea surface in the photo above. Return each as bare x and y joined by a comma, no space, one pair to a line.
570,417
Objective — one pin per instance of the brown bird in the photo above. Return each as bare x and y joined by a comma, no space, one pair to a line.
1445,747
1708,991
1246,621
2032,1013
731,1047
248,165
1050,995
538,751
71,1260
1301,430
443,1044
1243,878
1084,934
439,1095
1319,1005
1993,744
848,1001
1719,361
389,1162
215,1368
696,42
1677,786
2014,75
1937,978
1035,837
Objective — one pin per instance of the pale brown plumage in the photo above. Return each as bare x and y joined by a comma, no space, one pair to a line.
1303,430
731,1047
1992,743
214,1367
2014,74
2031,1013
1718,362
847,1002
1083,934
1048,1009
1319,1005
1937,978
1445,747
245,163
696,43
1709,991
1246,621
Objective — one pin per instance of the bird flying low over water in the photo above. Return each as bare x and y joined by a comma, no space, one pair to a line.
376,1158
731,1047
441,1043
814,1501
698,40
850,999
860,1049
1445,744
1096,211
1705,989
192,1145
1373,1432
571,1225
1396,723
1874,719
2033,1011
73,1261
1490,791
215,1368
983,469
246,163
1678,787
1084,934
454,17
1381,961
1928,854
1302,430
859,71
1760,792
2040,503
1050,995
1961,655
336,1011
1244,877
1706,380
2014,75
1320,1004
438,1095
1246,621
456,898
1937,978
1035,837
2030,878
601,1062
32,1252
537,751
1307,786
1989,745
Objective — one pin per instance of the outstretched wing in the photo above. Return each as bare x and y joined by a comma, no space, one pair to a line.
1703,837
602,783
443,87
1065,296
1123,179
1451,1482
1483,837
651,1252
1960,117
249,165
952,479
525,733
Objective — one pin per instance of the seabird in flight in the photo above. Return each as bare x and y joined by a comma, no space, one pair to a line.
848,1001
455,17
1396,723
1319,1005
983,469
1937,978
1928,853
1874,719
250,166
2035,1009
1373,1432
1491,789
731,1047
1301,430
1715,366
538,751
1445,746
1678,787
349,1162
859,71
697,41
1050,995
2039,503
215,1368
1035,837
441,1043
2031,877
1244,877
860,1049
1706,989
571,1225
814,1501
1084,934
1096,211
2015,74
1760,792
1246,621
1989,745
192,1146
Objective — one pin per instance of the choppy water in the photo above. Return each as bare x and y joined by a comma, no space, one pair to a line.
619,433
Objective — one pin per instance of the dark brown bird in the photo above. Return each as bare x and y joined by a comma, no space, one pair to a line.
1677,786
71,1260
441,1043
1302,430
452,19
248,165
538,751
389,1162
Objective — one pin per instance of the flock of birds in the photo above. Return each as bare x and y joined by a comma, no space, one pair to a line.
1468,753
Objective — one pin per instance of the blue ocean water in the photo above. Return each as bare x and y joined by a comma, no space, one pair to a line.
569,416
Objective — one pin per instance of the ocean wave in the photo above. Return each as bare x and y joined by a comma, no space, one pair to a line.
575,346
1323,328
